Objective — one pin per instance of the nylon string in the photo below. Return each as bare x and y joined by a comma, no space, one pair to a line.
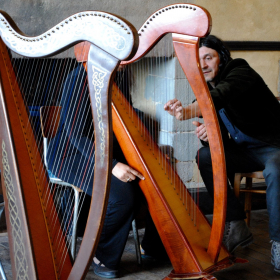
154,67
43,89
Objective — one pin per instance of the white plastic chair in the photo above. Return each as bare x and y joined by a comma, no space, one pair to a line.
2,272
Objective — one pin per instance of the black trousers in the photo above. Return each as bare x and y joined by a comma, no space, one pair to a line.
235,210
119,216
151,242
122,204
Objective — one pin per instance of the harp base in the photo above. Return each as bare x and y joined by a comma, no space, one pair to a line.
207,274
198,276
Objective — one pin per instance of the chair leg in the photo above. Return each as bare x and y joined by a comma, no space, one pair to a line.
137,243
237,181
248,200
75,224
2,272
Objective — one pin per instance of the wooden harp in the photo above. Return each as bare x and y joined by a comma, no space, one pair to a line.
38,245
194,251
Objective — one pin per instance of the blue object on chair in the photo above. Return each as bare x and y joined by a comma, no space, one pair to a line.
34,112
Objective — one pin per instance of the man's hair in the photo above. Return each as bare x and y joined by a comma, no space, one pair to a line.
218,45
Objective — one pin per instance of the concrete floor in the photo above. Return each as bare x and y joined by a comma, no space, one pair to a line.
258,254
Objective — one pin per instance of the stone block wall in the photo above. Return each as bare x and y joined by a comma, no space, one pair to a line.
232,20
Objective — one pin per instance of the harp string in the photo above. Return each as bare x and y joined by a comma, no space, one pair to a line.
46,191
46,87
86,173
67,225
22,89
64,215
160,81
69,202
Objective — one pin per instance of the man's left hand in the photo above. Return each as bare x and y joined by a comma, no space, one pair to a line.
200,131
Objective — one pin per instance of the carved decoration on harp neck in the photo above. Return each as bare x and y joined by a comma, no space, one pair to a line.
102,29
98,83
18,245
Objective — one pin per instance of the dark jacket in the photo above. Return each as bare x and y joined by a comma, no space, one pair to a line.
249,103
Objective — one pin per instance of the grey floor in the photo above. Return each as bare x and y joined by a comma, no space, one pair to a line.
258,255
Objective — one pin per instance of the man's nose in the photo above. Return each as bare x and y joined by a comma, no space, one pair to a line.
203,64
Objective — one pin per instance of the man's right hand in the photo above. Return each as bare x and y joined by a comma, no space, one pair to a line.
174,108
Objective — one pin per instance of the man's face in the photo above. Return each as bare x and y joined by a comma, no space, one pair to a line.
209,61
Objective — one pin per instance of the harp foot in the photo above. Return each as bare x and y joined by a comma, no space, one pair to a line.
198,276
207,274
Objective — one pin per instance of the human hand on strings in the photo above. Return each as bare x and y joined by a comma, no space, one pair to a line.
125,173
200,131
175,108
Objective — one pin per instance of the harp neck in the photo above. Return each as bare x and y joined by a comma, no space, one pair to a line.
184,19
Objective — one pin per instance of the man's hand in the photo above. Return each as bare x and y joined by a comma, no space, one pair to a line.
174,108
125,173
200,131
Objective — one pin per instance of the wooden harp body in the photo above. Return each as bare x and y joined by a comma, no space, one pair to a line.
38,245
195,248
